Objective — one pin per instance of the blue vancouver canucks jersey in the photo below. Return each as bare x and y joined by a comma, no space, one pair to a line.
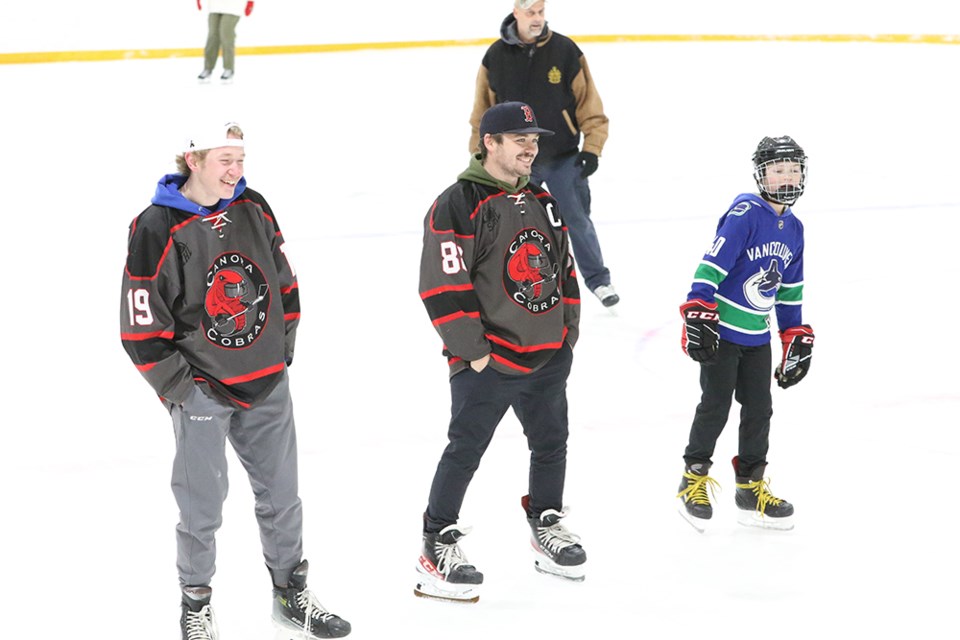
754,266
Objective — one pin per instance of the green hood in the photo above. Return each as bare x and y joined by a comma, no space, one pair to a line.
476,173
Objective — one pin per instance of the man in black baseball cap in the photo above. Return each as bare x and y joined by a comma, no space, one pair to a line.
498,282
509,141
510,117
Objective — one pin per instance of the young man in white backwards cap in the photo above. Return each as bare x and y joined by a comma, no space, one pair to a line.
208,314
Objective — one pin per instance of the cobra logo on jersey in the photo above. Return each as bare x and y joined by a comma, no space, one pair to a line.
530,272
236,302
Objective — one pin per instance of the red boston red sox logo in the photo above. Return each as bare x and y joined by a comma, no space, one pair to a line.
527,113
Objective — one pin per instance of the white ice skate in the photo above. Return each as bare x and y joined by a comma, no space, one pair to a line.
443,572
556,551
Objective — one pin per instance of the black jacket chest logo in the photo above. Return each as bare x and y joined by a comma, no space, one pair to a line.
236,302
530,270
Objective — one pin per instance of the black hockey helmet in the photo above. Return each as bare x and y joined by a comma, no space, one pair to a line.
778,150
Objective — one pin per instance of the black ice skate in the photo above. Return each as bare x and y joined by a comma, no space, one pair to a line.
444,573
556,551
297,610
758,507
695,504
196,616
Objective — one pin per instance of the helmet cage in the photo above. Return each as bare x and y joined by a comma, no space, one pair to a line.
785,194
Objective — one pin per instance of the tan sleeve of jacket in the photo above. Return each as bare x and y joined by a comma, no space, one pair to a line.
593,123
483,99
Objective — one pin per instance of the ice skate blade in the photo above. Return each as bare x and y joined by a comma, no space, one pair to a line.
697,523
546,566
429,586
755,519
444,598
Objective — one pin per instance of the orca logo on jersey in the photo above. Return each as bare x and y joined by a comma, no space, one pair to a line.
760,290
236,302
530,272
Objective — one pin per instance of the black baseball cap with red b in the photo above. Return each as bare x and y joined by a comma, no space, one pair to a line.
510,117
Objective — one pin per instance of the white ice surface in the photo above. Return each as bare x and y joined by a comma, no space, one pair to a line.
350,150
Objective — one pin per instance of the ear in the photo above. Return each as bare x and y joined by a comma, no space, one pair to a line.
191,161
489,142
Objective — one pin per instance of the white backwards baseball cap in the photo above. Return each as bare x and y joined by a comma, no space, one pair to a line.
211,137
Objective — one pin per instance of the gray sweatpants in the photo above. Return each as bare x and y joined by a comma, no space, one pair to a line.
264,438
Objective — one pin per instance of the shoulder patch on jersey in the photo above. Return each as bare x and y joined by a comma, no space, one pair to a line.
740,209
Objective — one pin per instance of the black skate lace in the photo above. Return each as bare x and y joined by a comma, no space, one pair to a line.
201,625
556,537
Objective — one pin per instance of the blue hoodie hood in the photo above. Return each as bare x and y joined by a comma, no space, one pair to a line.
168,195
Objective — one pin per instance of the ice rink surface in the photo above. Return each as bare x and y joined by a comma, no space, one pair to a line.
350,150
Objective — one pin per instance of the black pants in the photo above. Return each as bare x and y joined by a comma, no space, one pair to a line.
479,402
743,373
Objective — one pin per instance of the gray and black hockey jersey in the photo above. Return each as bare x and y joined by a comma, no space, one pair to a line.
496,274
208,296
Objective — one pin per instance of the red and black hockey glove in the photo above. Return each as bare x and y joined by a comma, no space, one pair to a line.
249,8
700,337
797,351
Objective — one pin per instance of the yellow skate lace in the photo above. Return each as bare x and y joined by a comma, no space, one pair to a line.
697,486
761,489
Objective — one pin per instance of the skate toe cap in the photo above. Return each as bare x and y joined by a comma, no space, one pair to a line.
465,574
335,627
572,556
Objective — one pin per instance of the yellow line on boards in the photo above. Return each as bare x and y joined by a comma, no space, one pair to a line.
146,54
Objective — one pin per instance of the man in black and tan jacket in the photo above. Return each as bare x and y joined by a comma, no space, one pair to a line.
498,282
547,70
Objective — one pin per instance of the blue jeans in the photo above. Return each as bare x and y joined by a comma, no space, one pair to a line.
572,192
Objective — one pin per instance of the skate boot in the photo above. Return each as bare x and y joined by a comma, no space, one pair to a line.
196,616
695,504
227,76
205,75
759,507
444,573
556,551
296,609
607,295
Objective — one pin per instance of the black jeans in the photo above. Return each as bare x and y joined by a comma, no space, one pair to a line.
743,373
479,402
